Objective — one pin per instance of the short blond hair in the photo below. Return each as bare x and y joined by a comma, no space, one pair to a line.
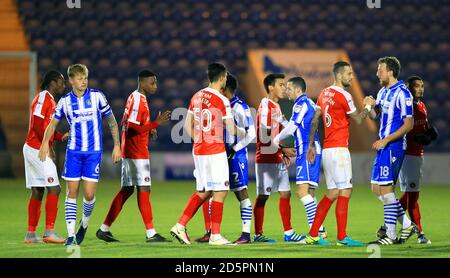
72,70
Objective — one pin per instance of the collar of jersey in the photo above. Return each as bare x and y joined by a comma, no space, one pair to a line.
300,97
47,92
234,99
396,85
85,91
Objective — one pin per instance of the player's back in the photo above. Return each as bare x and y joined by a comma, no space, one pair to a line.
336,104
134,144
268,125
42,106
209,108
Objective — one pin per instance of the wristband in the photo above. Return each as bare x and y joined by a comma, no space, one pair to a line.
368,107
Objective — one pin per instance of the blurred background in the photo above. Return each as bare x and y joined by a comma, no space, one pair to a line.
177,39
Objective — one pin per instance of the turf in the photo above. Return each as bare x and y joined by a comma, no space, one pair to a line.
169,199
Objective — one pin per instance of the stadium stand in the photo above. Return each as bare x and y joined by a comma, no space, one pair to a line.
176,39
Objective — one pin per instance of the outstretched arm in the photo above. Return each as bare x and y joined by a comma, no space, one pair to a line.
369,102
112,123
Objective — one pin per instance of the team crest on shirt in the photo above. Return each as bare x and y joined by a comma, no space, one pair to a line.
50,180
409,102
297,109
88,102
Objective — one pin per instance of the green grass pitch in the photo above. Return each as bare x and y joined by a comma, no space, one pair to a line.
169,199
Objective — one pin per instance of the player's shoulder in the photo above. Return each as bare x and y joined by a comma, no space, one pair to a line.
406,92
341,92
96,92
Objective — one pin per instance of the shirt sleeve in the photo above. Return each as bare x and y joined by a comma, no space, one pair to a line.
298,113
60,109
246,122
134,111
289,130
349,104
405,103
103,105
226,110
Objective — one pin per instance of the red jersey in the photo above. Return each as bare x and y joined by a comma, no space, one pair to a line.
209,108
269,123
136,126
336,103
41,113
420,126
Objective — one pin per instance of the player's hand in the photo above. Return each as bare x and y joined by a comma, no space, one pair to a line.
286,161
379,144
43,152
289,152
311,154
116,154
369,100
65,136
163,118
154,134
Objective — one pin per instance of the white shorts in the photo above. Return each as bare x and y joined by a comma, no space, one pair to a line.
39,173
411,173
136,172
271,177
337,167
211,172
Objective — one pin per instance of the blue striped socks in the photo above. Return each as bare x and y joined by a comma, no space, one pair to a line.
88,207
390,214
71,215
246,215
401,216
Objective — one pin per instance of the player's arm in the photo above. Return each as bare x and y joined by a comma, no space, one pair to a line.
189,124
250,132
369,102
113,127
374,113
48,134
311,155
408,124
232,129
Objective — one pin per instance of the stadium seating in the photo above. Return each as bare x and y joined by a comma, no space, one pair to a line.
177,39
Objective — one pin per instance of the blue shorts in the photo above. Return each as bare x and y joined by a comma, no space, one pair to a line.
387,165
307,172
238,168
84,166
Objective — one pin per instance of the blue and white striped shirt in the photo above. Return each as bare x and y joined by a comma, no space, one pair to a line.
242,118
395,104
84,115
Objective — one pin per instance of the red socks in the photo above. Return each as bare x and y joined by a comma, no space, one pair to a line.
145,208
284,205
410,202
216,217
258,212
51,209
341,216
321,213
116,207
191,208
206,215
34,212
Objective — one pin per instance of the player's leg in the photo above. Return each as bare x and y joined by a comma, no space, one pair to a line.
264,186
90,176
145,207
34,212
246,215
195,201
206,209
328,163
51,210
115,208
216,217
238,170
71,210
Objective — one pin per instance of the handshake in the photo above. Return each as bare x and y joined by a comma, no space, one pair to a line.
369,100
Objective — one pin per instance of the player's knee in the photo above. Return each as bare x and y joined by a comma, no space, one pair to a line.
261,199
89,196
37,193
55,190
